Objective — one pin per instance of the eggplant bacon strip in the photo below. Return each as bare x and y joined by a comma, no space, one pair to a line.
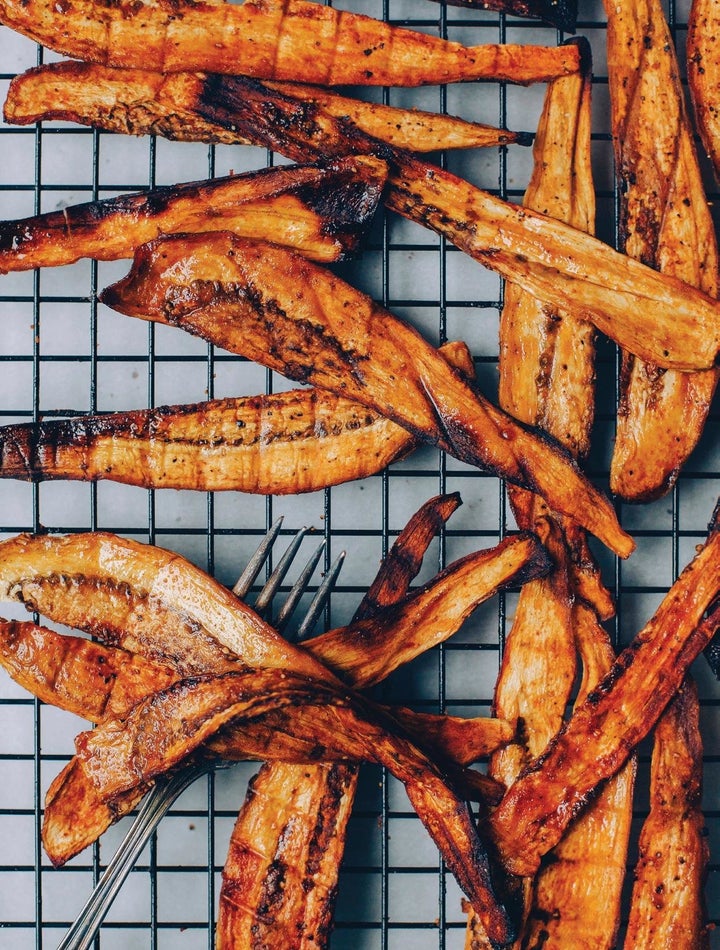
547,355
293,40
459,586
558,263
366,652
98,682
602,732
159,603
666,223
667,907
554,261
297,440
547,360
536,676
163,729
139,101
304,322
281,868
159,732
576,894
280,876
556,390
703,73
323,212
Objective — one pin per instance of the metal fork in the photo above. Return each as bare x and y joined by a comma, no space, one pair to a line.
169,786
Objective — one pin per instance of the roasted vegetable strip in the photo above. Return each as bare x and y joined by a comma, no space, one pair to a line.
165,728
536,677
579,273
703,73
80,676
297,819
576,894
547,356
61,601
618,714
146,600
265,834
547,360
157,734
75,816
367,651
665,222
294,441
554,261
99,682
291,40
404,559
321,211
667,906
141,102
274,308
157,603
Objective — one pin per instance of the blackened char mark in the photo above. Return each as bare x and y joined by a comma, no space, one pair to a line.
558,13
346,210
302,131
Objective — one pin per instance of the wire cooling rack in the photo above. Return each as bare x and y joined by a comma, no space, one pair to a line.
63,354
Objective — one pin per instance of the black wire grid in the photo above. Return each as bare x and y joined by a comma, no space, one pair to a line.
63,354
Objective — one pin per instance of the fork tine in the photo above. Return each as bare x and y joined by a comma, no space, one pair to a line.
298,589
254,565
319,600
270,588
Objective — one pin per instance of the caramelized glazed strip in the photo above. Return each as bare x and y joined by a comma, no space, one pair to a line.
547,360
292,40
164,728
666,223
145,599
667,907
618,714
141,102
370,649
294,441
98,682
703,73
653,315
264,832
165,578
154,603
261,829
158,733
109,585
280,890
547,355
65,600
301,320
536,676
80,676
538,665
404,560
75,816
576,894
551,260
321,211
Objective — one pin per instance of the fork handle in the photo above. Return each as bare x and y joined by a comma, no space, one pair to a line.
168,787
